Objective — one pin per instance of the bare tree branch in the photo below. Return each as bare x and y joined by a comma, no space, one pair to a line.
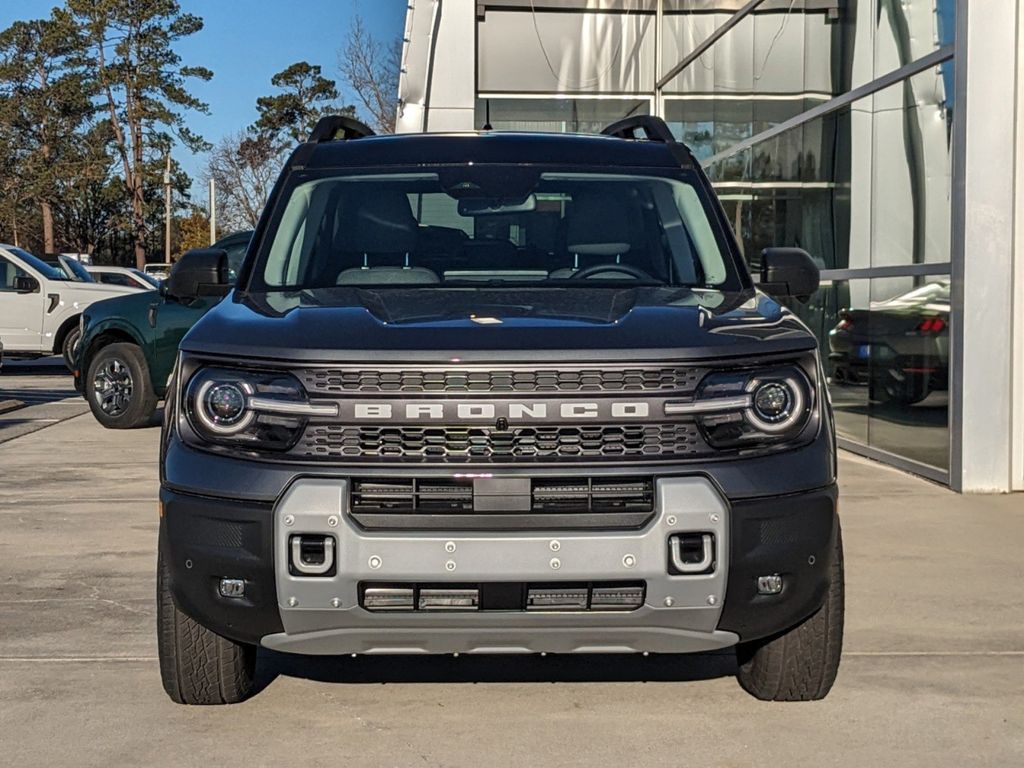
370,67
243,166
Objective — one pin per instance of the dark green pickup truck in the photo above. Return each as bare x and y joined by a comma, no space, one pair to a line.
129,344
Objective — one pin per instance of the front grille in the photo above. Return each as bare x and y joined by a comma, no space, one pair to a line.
326,381
554,502
412,496
485,444
593,494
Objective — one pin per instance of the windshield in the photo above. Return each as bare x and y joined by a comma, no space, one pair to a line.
40,266
147,279
77,270
476,225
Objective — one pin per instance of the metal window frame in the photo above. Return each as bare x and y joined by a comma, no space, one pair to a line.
932,59
958,202
895,460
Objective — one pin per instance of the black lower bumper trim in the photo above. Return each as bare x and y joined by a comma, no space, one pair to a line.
792,536
204,540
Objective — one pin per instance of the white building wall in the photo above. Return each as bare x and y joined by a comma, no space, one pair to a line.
984,346
1017,323
437,90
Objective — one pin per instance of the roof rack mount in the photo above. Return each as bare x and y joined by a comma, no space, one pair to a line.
654,129
334,127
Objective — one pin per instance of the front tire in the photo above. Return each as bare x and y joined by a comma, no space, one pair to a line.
198,666
69,347
800,664
117,387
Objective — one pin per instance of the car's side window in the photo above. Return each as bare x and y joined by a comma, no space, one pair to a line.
113,278
236,254
8,272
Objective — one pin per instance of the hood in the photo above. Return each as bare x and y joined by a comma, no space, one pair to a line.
92,291
479,324
129,305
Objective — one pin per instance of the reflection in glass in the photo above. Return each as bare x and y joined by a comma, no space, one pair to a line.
824,313
555,114
907,341
887,348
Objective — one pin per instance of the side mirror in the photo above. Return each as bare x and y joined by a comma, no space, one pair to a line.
25,284
200,272
789,272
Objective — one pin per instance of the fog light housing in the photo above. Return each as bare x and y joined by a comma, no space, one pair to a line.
232,588
769,585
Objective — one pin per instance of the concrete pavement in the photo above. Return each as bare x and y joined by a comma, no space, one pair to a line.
35,394
933,672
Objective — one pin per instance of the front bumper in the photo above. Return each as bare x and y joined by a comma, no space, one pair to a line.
207,539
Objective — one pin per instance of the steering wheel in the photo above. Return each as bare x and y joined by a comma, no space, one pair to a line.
625,269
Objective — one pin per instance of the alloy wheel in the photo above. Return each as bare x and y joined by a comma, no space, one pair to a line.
113,387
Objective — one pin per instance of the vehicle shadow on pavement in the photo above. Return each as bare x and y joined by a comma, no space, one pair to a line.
554,668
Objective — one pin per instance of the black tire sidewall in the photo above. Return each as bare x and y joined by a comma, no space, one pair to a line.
143,401
67,347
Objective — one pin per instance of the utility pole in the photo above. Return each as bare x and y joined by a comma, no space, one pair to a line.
167,210
213,211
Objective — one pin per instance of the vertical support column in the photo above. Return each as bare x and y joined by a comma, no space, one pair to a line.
1017,329
451,93
984,213
658,106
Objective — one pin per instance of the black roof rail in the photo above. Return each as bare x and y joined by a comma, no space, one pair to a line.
654,129
331,127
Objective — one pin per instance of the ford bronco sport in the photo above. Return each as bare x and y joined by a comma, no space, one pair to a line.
497,393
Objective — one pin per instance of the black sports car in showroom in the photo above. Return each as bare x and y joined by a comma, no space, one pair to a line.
898,347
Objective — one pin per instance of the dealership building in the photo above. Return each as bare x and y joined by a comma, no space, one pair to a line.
885,137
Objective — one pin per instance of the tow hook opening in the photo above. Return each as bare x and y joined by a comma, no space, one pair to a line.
311,555
691,553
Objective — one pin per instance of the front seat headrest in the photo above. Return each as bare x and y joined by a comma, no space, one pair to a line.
597,225
382,222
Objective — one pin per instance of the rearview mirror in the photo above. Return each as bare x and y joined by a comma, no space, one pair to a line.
199,272
789,272
484,206
25,284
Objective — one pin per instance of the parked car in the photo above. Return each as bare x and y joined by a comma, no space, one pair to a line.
69,266
83,258
497,393
40,306
129,344
126,276
899,347
159,270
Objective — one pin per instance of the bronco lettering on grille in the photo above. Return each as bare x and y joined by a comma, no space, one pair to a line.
454,412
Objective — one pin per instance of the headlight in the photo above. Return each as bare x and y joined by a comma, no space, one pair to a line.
256,409
760,406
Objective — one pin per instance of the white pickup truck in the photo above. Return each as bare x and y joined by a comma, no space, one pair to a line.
40,307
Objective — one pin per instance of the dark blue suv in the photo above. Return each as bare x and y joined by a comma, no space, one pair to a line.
497,392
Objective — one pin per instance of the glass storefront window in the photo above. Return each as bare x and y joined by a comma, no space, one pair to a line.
885,347
556,114
863,188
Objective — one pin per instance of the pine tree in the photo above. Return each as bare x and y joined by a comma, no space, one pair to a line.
142,86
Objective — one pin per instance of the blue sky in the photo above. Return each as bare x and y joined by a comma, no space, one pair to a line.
244,42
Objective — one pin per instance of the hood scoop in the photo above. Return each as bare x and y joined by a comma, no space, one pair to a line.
496,306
